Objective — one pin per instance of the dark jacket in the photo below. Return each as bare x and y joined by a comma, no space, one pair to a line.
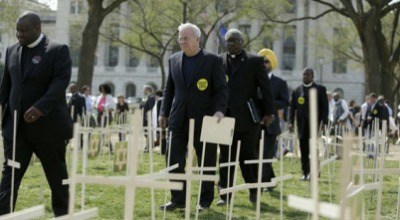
280,94
243,83
79,103
206,93
300,106
43,85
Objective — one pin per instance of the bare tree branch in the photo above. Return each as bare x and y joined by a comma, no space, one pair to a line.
396,54
111,7
360,7
348,5
269,18
394,28
385,10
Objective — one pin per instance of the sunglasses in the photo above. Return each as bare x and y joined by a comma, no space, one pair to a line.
266,61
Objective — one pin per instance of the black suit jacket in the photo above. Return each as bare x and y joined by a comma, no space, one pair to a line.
43,85
300,106
206,94
280,94
243,83
79,104
147,107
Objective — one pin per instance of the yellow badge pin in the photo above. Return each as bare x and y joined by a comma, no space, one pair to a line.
300,100
202,84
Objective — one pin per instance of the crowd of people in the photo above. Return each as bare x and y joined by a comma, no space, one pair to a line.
237,84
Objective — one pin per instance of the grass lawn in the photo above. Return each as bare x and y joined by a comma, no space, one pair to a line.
110,199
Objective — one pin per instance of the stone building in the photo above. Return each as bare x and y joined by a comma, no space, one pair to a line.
294,47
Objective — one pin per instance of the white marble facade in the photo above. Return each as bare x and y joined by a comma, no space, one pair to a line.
351,83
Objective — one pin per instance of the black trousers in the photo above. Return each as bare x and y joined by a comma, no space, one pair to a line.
269,152
304,154
52,157
248,151
178,150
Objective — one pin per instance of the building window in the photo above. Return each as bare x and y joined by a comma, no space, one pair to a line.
289,48
339,65
339,62
112,55
292,6
76,7
133,59
152,62
75,43
268,43
130,90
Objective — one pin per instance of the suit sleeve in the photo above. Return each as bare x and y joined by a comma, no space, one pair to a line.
283,100
220,87
5,86
293,108
169,93
324,105
263,82
61,76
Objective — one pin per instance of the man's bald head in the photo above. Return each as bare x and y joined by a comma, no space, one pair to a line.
33,18
28,28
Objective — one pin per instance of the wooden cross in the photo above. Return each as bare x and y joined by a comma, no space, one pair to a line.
130,182
29,213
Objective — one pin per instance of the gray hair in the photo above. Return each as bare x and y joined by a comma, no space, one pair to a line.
148,87
233,31
194,28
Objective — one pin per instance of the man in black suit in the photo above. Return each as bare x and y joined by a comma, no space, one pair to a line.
246,75
148,104
196,86
76,102
280,93
37,73
299,109
160,135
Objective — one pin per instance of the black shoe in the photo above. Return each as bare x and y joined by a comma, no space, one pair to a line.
305,177
286,151
171,206
202,208
221,202
270,189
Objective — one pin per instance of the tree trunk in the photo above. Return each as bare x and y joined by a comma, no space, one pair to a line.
379,76
90,36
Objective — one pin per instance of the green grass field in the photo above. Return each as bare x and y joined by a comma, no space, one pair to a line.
110,199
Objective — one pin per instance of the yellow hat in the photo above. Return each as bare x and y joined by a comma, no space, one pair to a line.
269,55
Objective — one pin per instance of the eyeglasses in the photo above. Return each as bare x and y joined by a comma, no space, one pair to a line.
183,39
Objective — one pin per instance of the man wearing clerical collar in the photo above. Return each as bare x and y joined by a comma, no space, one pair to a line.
35,78
300,110
246,75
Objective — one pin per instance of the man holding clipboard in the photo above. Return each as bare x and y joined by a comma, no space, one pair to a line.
246,75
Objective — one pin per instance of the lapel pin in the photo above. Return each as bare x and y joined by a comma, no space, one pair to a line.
36,59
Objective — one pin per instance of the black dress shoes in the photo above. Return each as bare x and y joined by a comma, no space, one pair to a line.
202,208
221,202
171,206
